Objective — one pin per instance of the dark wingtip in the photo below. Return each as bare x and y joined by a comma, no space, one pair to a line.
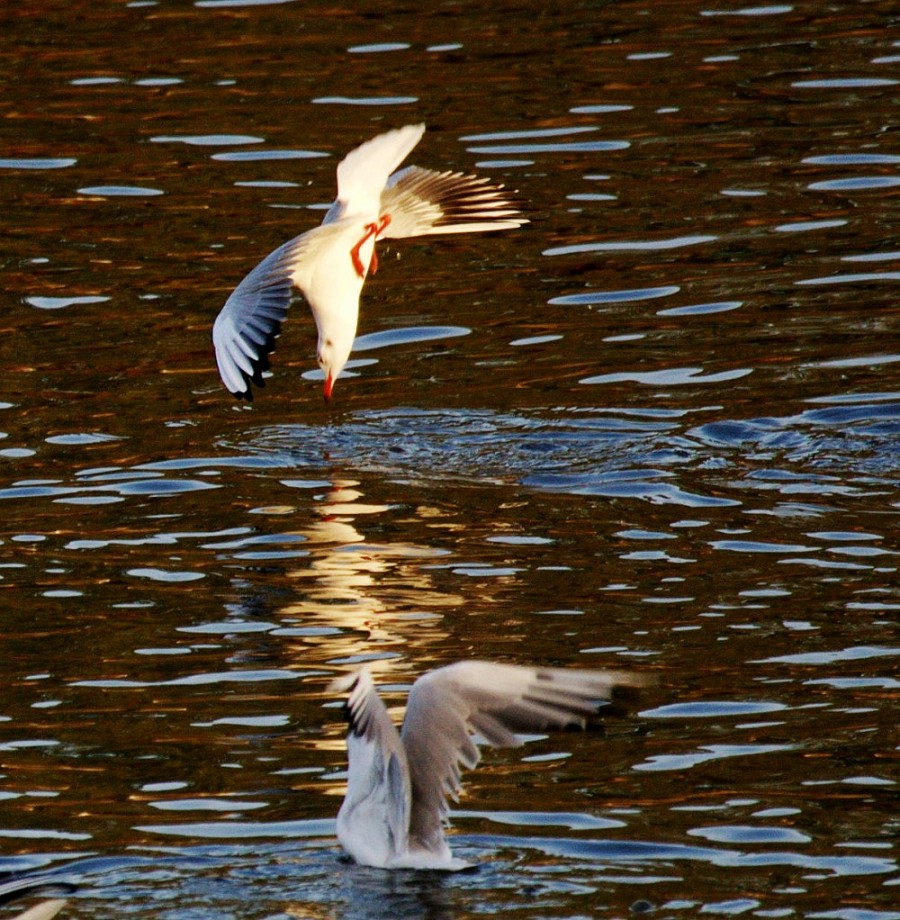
351,720
357,719
621,703
26,886
260,364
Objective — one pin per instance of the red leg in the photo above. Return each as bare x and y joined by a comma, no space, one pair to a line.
382,224
371,230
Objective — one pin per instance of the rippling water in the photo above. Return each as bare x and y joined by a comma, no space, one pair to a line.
657,428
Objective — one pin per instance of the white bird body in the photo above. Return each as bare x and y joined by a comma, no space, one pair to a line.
329,263
332,288
395,808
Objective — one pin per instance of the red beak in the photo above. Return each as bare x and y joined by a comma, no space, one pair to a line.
329,386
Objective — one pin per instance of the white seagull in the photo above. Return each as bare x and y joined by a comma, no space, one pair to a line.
395,808
329,263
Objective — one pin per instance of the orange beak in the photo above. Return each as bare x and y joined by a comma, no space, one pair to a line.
329,386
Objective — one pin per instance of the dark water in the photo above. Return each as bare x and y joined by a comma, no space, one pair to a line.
659,428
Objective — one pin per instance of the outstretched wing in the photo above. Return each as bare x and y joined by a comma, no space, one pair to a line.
447,705
362,174
373,821
421,201
246,328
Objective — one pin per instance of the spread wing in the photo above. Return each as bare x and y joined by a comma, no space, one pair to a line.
362,174
373,821
421,201
447,705
247,326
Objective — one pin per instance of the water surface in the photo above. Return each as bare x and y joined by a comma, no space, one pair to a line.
655,429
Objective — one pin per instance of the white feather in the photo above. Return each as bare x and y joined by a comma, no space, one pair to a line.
395,809
329,263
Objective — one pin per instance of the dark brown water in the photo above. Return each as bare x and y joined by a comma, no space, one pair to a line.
659,428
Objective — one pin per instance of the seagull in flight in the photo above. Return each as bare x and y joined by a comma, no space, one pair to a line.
395,809
329,263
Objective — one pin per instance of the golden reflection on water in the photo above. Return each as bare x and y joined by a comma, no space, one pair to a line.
373,600
220,678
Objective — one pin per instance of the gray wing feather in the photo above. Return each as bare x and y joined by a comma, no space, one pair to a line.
379,771
245,330
447,705
248,324
422,201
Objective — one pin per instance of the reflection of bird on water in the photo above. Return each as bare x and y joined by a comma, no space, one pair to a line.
329,263
29,885
395,808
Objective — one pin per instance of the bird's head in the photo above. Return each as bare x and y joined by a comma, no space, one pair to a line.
332,355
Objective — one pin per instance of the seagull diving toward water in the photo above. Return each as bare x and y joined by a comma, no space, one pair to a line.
329,263
395,808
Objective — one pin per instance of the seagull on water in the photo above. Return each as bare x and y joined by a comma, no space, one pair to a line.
395,808
330,262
